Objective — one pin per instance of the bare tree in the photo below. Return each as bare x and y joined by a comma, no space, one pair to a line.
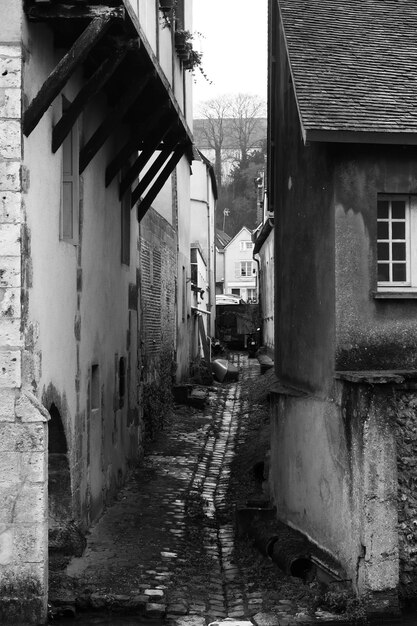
214,113
245,111
232,123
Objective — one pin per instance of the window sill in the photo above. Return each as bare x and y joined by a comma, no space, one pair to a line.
395,295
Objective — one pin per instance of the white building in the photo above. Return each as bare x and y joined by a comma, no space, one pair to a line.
237,271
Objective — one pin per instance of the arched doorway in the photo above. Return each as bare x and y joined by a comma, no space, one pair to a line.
59,486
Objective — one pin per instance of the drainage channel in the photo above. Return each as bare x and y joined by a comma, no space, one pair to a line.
86,619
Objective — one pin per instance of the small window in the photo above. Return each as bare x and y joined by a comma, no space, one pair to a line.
396,222
244,269
125,225
70,185
246,245
122,381
95,387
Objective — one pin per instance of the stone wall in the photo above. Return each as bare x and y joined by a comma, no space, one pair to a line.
157,298
406,420
23,428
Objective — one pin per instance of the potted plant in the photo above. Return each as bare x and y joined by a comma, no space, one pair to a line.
166,5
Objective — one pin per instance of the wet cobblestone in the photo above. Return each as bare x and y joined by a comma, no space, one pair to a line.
166,547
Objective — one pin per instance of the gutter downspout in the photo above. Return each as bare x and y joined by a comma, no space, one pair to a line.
261,318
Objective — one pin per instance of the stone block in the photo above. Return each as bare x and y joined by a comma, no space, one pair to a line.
10,138
10,72
9,304
10,367
29,409
31,366
22,580
10,103
24,503
23,610
10,179
10,271
10,333
10,239
30,543
9,50
23,544
7,400
16,467
26,437
10,206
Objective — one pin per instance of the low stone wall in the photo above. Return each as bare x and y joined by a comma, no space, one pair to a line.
334,478
406,436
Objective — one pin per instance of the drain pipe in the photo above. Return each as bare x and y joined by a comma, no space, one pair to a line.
287,550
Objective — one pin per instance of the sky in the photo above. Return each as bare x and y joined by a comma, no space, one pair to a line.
234,47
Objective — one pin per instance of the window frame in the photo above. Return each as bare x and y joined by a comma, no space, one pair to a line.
410,284
71,143
239,267
125,224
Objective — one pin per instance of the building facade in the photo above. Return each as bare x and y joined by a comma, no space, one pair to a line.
240,269
342,185
95,156
203,264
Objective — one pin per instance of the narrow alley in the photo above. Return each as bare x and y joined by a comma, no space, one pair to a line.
167,548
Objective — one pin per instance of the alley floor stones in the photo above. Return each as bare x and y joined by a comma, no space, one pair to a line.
167,549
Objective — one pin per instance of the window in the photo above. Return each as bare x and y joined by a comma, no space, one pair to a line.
244,269
396,222
246,245
70,184
125,228
95,387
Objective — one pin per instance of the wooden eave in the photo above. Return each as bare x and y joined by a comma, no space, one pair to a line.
108,42
364,136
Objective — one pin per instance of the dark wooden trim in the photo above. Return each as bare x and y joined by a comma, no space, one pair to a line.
160,181
151,145
42,13
89,90
112,120
150,175
370,137
140,135
63,71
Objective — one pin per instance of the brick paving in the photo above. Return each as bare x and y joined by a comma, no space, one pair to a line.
165,549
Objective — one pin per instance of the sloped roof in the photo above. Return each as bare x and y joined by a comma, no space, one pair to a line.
354,63
222,239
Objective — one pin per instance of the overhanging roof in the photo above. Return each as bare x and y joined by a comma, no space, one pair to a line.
107,40
354,68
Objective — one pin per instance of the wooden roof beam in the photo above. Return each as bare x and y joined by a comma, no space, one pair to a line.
112,120
145,128
64,11
152,143
89,90
58,78
150,175
161,180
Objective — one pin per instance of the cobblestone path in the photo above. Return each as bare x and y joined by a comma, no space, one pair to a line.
165,549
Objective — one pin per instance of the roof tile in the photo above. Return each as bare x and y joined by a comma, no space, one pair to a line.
354,63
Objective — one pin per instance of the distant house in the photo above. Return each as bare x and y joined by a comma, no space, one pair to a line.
237,270
221,241
343,185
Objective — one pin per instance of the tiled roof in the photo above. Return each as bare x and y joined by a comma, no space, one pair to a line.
222,239
354,63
